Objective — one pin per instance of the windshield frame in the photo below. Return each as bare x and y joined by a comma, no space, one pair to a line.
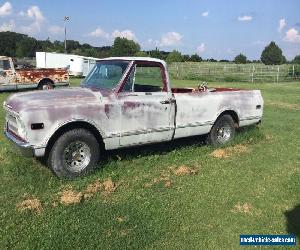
116,87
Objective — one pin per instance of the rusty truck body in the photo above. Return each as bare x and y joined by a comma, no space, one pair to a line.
14,79
123,102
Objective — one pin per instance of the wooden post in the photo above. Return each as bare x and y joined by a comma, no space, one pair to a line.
293,71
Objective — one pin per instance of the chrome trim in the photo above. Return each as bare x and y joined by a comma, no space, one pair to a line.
145,131
25,148
196,124
250,118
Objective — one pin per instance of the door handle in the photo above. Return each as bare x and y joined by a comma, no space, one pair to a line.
168,101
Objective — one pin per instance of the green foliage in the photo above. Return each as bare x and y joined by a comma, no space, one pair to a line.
195,58
159,54
26,47
141,54
19,45
297,59
124,47
272,55
174,56
8,42
240,59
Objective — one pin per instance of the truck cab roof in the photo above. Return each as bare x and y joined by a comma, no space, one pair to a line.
132,58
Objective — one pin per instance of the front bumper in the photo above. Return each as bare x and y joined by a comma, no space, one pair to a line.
25,148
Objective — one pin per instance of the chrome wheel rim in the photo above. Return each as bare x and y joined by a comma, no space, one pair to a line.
46,87
223,134
77,156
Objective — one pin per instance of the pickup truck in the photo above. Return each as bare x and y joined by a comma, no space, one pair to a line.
14,79
123,102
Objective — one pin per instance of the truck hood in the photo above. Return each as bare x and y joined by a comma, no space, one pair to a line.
59,97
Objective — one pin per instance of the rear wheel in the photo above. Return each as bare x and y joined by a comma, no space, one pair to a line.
45,85
75,153
222,132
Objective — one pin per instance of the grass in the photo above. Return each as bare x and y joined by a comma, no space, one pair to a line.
254,190
230,72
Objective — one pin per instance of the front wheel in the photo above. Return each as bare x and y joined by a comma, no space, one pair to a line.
75,153
45,85
222,131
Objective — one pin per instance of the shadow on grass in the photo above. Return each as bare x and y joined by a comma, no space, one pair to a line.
177,144
161,147
293,221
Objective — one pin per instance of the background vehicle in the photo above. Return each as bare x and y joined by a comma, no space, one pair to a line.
77,65
123,102
13,79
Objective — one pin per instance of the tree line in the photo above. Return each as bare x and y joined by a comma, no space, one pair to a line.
20,46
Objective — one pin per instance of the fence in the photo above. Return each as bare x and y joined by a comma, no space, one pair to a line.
229,72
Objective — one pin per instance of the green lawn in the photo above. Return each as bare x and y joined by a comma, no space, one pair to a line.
252,188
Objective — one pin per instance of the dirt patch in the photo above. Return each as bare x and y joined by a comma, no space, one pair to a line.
120,219
184,170
166,176
168,183
70,197
30,205
285,105
269,137
92,189
220,153
245,208
109,186
230,151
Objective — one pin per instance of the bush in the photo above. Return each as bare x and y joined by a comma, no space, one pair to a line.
240,59
175,56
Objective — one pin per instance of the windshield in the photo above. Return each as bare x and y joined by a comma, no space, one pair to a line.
105,74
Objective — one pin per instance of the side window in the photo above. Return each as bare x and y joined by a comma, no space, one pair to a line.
145,78
148,78
4,65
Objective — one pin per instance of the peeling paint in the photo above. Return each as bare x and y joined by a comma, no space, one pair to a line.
18,78
131,118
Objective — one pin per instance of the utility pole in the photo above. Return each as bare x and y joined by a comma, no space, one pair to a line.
66,18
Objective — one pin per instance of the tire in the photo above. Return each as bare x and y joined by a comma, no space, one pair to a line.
74,153
46,85
222,131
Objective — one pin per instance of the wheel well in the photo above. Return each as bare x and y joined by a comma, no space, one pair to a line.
233,114
74,125
45,80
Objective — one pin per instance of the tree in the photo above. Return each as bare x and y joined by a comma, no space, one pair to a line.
272,54
156,54
124,47
297,59
26,47
195,58
186,58
141,54
240,59
174,56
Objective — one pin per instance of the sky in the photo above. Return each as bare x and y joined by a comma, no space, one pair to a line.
211,28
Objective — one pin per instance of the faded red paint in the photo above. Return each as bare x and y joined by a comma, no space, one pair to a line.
19,77
36,75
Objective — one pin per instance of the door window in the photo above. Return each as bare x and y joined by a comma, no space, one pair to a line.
145,78
4,65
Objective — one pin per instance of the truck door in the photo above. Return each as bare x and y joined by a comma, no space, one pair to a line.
7,73
147,107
